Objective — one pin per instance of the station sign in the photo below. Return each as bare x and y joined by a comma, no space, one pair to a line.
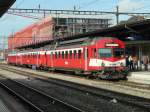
112,45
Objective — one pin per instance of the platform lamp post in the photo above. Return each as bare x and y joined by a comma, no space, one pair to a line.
4,43
12,42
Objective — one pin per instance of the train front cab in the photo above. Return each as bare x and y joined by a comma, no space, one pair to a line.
107,59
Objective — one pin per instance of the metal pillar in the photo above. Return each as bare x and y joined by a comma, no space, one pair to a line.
117,15
140,57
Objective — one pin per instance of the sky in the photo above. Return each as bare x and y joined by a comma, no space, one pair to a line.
11,23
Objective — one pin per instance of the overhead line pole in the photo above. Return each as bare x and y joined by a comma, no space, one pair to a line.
47,11
117,13
76,12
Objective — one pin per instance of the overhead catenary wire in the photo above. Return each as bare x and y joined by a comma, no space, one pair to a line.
23,15
20,3
87,4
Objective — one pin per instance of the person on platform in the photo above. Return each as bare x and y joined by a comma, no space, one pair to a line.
130,63
127,61
135,63
145,62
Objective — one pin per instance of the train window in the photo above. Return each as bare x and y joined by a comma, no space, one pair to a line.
70,54
59,54
51,54
95,53
75,54
66,54
79,54
105,53
56,55
86,54
118,52
62,54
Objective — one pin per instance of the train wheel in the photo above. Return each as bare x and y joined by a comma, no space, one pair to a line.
95,76
88,76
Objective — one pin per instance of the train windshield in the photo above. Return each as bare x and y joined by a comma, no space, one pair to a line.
105,53
118,52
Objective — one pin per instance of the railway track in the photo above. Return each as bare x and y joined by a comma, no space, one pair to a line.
137,102
37,100
121,82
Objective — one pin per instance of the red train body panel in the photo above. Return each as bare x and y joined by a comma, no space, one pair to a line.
101,57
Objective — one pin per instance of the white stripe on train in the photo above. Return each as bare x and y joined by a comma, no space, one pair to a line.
98,62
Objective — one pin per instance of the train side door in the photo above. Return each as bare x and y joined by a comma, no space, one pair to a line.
52,61
45,59
86,59
37,59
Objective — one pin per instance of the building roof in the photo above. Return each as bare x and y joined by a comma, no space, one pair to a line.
121,31
5,5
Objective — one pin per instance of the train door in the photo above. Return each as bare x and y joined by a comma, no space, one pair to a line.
79,58
52,61
86,59
48,58
37,59
21,59
16,57
45,59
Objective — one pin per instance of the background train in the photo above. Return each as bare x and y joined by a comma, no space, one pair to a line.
102,57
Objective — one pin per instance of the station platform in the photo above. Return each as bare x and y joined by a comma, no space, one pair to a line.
140,77
88,82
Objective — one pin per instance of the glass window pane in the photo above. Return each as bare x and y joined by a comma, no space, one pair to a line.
105,53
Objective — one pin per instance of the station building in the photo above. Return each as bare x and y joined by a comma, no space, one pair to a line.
67,26
135,34
51,28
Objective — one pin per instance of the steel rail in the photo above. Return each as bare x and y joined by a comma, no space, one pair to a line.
107,94
47,97
122,82
35,108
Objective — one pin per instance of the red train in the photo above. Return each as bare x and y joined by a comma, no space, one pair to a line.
102,57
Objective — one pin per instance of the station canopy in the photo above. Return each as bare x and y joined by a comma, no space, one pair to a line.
130,32
139,30
5,5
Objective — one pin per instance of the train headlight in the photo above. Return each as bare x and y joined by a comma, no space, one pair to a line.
102,64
